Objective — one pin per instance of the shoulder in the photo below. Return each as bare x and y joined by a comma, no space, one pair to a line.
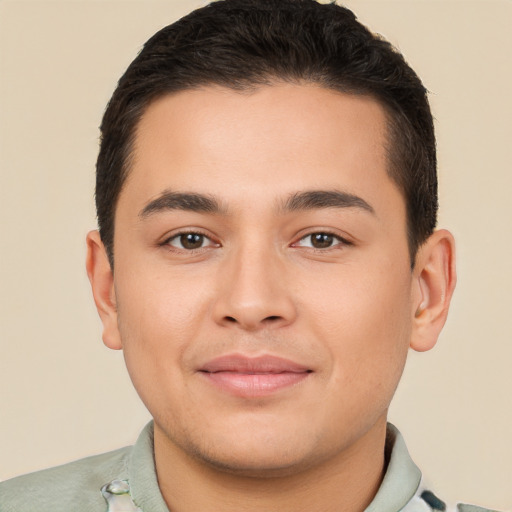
473,508
75,486
426,501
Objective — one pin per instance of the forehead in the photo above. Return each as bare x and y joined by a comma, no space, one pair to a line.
261,144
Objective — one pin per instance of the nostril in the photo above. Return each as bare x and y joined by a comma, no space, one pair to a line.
268,319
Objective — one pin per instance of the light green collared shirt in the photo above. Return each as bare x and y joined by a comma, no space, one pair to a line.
125,481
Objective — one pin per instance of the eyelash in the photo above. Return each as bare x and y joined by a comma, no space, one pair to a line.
167,242
340,241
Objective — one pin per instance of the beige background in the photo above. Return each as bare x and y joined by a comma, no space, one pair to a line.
64,396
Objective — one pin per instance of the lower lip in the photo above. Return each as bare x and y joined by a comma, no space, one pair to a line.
255,384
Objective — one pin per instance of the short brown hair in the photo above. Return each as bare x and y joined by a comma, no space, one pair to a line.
243,44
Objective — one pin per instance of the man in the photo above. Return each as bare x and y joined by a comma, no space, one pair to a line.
267,197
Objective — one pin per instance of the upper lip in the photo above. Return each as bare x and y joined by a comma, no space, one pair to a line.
240,363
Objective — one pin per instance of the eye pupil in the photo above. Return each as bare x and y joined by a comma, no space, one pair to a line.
321,240
191,240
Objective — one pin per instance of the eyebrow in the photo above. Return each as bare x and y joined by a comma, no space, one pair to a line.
187,201
317,199
300,201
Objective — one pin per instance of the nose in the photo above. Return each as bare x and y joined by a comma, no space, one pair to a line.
254,291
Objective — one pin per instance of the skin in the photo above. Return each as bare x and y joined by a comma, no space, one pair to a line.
348,311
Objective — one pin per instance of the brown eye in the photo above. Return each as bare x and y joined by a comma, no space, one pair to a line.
189,241
321,240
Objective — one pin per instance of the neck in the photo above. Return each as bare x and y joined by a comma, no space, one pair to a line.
348,481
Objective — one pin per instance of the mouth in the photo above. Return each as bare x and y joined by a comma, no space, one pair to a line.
253,376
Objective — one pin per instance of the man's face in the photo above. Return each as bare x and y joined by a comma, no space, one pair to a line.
262,274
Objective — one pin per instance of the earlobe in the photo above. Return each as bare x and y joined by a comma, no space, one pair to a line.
435,278
102,284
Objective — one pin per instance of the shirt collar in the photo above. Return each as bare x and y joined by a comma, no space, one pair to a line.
142,474
402,477
400,483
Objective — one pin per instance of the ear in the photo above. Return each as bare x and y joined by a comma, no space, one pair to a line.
102,282
434,281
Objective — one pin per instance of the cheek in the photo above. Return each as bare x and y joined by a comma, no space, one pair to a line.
157,324
364,320
160,304
158,318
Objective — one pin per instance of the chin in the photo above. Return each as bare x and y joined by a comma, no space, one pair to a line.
256,464
251,452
